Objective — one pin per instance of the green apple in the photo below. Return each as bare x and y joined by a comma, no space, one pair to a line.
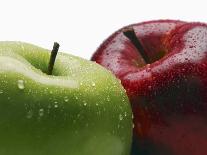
81,109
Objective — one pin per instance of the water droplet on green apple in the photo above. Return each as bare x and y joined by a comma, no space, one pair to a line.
56,106
93,84
41,112
84,103
120,117
78,115
107,98
74,121
49,106
1,92
29,114
20,84
66,99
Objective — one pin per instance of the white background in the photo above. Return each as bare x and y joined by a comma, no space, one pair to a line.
80,26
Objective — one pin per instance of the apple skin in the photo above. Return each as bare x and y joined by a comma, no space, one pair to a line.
81,110
169,95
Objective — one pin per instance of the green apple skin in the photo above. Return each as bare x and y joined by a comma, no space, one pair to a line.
81,109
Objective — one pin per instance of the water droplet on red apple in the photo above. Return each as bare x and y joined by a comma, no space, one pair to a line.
148,68
149,87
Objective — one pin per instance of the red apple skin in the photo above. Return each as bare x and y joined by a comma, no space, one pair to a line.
169,95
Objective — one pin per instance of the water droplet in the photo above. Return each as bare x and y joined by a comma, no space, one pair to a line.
66,99
29,114
93,84
148,69
1,92
78,115
41,112
107,98
56,106
120,117
20,84
84,103
96,104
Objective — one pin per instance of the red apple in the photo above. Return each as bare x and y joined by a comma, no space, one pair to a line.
163,67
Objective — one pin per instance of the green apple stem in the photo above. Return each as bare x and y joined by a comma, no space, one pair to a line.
53,57
131,35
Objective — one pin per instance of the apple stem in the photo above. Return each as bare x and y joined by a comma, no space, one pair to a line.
53,57
131,35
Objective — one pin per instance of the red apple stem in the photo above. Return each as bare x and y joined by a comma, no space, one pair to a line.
53,57
131,35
